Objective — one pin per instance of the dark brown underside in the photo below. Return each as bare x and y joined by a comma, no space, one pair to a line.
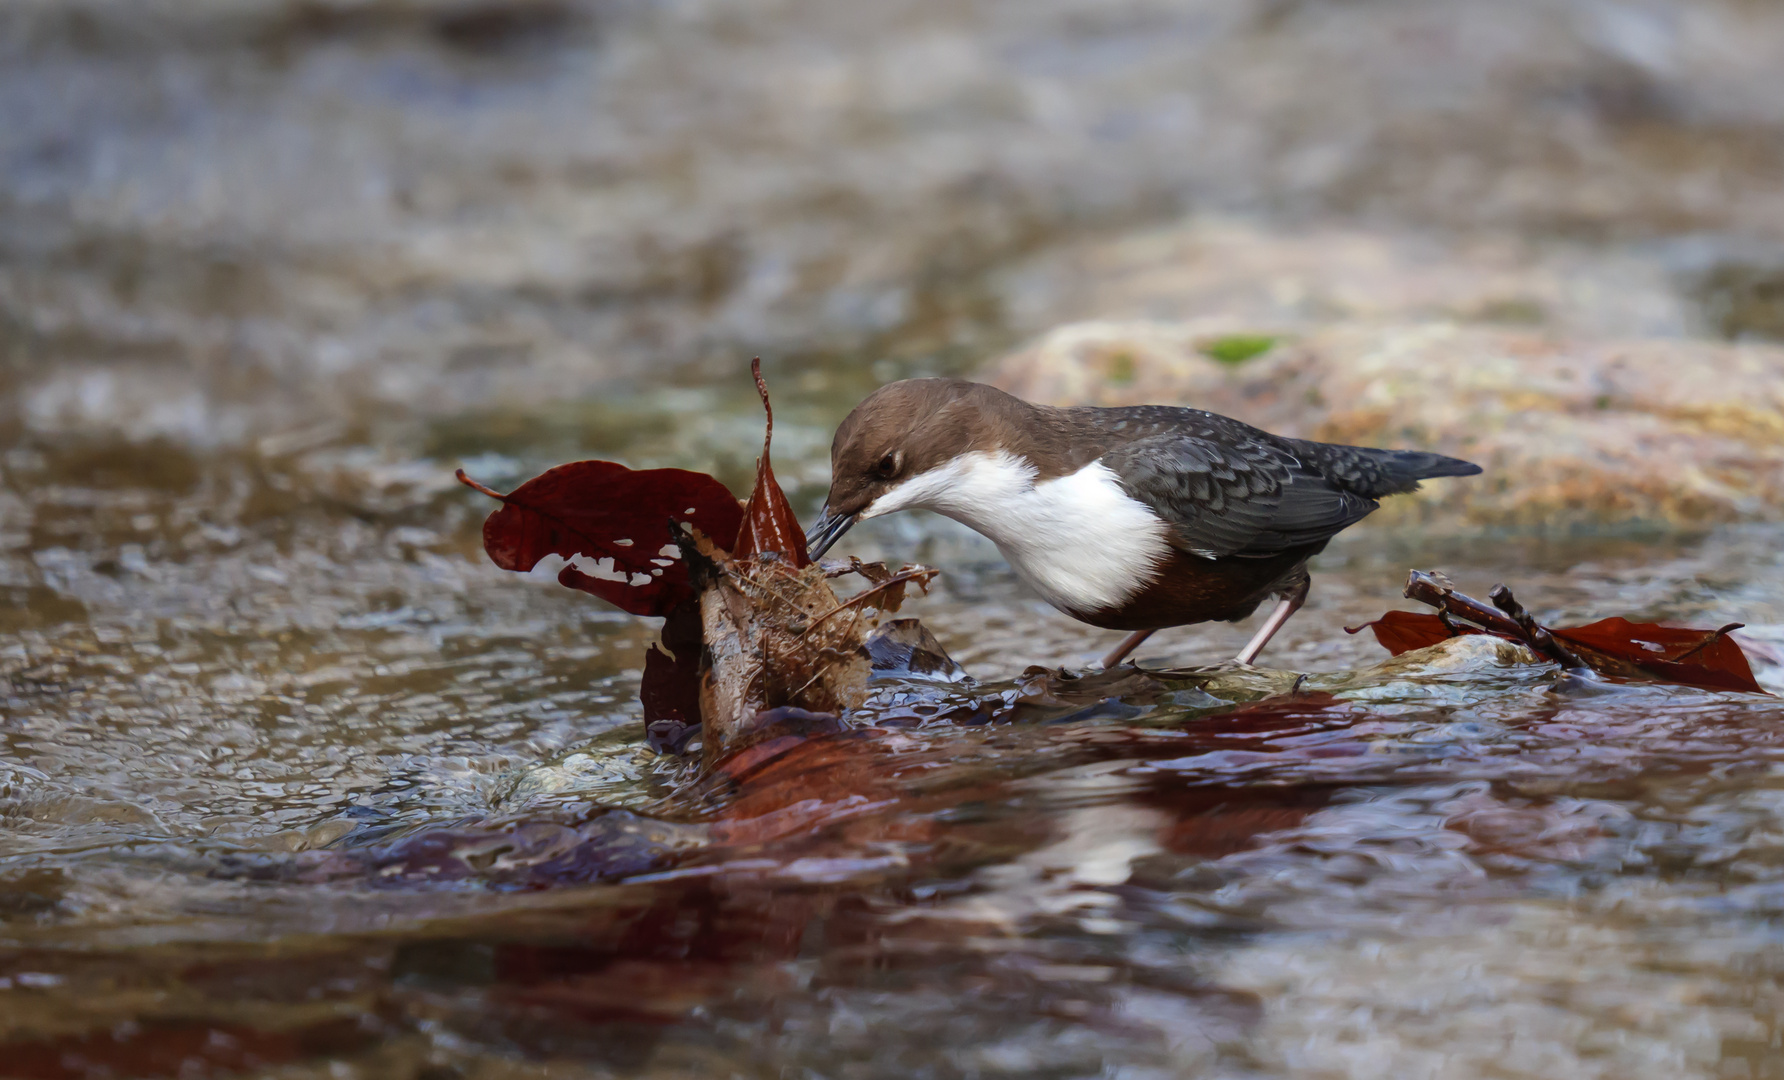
1190,589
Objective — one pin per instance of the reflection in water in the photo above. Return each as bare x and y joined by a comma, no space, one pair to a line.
1134,889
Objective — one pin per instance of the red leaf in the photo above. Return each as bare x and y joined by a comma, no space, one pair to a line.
1708,659
1705,658
617,517
670,689
769,523
1403,631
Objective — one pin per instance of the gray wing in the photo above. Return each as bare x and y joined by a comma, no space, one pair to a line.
1250,500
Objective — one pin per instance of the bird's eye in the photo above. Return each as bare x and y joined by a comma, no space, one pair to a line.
888,466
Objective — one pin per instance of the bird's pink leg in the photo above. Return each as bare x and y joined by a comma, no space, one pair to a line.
1291,603
1128,645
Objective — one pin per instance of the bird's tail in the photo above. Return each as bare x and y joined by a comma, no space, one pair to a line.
1378,473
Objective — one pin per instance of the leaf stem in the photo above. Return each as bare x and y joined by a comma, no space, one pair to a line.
475,486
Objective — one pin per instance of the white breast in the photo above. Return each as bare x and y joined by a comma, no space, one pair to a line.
1078,540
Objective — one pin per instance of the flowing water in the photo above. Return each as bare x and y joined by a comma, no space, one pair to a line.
269,272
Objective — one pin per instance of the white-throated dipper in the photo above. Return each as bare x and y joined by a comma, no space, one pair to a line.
1132,518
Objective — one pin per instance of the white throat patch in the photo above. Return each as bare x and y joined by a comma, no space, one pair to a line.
1078,540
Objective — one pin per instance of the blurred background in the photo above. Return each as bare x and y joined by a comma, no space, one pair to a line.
271,269
451,227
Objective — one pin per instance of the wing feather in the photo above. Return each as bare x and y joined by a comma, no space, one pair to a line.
1249,498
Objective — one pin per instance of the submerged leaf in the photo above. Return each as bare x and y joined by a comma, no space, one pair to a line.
769,523
615,523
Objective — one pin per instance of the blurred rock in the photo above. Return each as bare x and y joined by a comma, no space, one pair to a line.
229,218
1573,435
1263,278
1743,299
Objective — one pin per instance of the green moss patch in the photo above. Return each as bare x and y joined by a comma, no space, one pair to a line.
1237,348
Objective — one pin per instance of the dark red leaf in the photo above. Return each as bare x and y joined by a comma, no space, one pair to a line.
1704,658
670,689
769,523
1708,659
617,519
1403,631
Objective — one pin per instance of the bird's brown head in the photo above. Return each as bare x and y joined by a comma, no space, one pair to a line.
903,430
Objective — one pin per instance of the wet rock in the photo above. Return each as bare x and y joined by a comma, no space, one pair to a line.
518,853
1580,434
1744,300
1245,278
1230,681
905,649
609,770
1489,660
1473,652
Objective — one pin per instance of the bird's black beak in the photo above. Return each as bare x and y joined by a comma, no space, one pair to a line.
827,531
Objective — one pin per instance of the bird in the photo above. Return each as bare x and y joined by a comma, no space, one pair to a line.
1132,518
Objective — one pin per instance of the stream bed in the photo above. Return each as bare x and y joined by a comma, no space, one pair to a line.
1438,862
